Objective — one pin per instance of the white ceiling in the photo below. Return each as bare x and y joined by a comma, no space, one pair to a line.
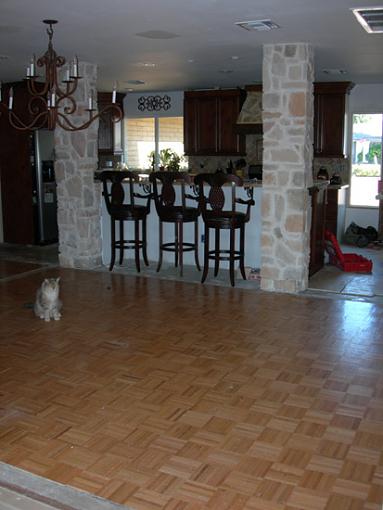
104,32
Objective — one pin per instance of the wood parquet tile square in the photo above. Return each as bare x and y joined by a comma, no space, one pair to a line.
173,396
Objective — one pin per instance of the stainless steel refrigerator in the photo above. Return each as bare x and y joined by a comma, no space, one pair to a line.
44,188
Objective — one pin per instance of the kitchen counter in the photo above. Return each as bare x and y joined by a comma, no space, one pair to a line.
144,178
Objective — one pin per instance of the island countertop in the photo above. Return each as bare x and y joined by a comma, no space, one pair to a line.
144,177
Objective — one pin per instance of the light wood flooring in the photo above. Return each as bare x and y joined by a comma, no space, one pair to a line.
175,396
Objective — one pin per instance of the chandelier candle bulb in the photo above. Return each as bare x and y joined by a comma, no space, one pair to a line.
75,67
10,99
53,99
28,72
114,94
32,67
90,101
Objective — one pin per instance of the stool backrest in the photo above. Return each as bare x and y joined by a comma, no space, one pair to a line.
211,196
113,189
164,192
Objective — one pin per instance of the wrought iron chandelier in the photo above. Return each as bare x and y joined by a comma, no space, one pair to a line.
52,101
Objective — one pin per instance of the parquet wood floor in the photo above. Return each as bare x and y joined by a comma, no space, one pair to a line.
175,396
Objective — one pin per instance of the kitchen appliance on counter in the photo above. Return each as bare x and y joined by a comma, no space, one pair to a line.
44,194
255,172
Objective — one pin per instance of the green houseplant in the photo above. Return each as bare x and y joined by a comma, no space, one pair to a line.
169,159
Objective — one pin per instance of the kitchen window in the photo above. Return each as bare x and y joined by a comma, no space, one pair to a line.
366,159
153,137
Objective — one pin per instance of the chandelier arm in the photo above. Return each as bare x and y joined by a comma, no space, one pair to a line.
69,90
16,123
117,115
32,88
68,110
68,126
35,109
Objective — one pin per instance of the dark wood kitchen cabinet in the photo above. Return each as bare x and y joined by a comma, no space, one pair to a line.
329,118
318,221
109,133
16,172
209,123
336,210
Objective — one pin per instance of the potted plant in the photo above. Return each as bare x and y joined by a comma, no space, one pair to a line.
169,160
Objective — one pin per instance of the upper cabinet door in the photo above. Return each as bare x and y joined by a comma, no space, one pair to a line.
209,120
206,139
329,118
229,142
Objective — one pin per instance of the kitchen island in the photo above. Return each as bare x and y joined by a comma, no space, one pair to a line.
252,231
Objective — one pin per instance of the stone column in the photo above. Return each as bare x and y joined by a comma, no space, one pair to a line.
287,166
78,196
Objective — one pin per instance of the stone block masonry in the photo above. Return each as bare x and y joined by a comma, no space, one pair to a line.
79,197
287,166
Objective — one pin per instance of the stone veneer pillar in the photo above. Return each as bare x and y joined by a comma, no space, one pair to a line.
78,196
287,166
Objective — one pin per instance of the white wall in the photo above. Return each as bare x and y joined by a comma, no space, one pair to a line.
363,99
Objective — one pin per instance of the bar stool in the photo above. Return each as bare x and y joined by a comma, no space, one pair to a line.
212,203
164,195
121,211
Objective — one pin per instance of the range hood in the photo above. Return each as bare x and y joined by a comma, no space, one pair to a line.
250,117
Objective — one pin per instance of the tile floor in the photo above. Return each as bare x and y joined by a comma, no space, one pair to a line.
368,287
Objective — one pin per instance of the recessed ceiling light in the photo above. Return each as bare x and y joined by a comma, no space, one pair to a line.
235,57
129,90
191,60
144,64
334,71
371,19
260,25
157,34
135,82
226,71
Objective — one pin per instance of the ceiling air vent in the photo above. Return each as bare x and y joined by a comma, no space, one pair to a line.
371,19
259,25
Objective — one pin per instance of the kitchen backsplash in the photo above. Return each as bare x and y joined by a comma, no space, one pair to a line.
339,166
213,163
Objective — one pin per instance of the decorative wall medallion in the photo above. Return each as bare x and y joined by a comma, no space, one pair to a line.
153,103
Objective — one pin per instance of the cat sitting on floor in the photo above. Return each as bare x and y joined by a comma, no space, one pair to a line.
48,305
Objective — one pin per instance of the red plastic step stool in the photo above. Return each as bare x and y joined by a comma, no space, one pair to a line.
349,262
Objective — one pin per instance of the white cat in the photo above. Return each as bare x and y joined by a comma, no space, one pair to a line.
48,305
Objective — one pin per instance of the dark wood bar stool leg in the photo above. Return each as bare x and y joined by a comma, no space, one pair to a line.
180,246
112,244
242,252
121,229
160,237
176,249
196,241
231,255
206,255
144,243
137,244
216,254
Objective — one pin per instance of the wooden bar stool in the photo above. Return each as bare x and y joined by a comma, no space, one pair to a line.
168,211
121,210
217,217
